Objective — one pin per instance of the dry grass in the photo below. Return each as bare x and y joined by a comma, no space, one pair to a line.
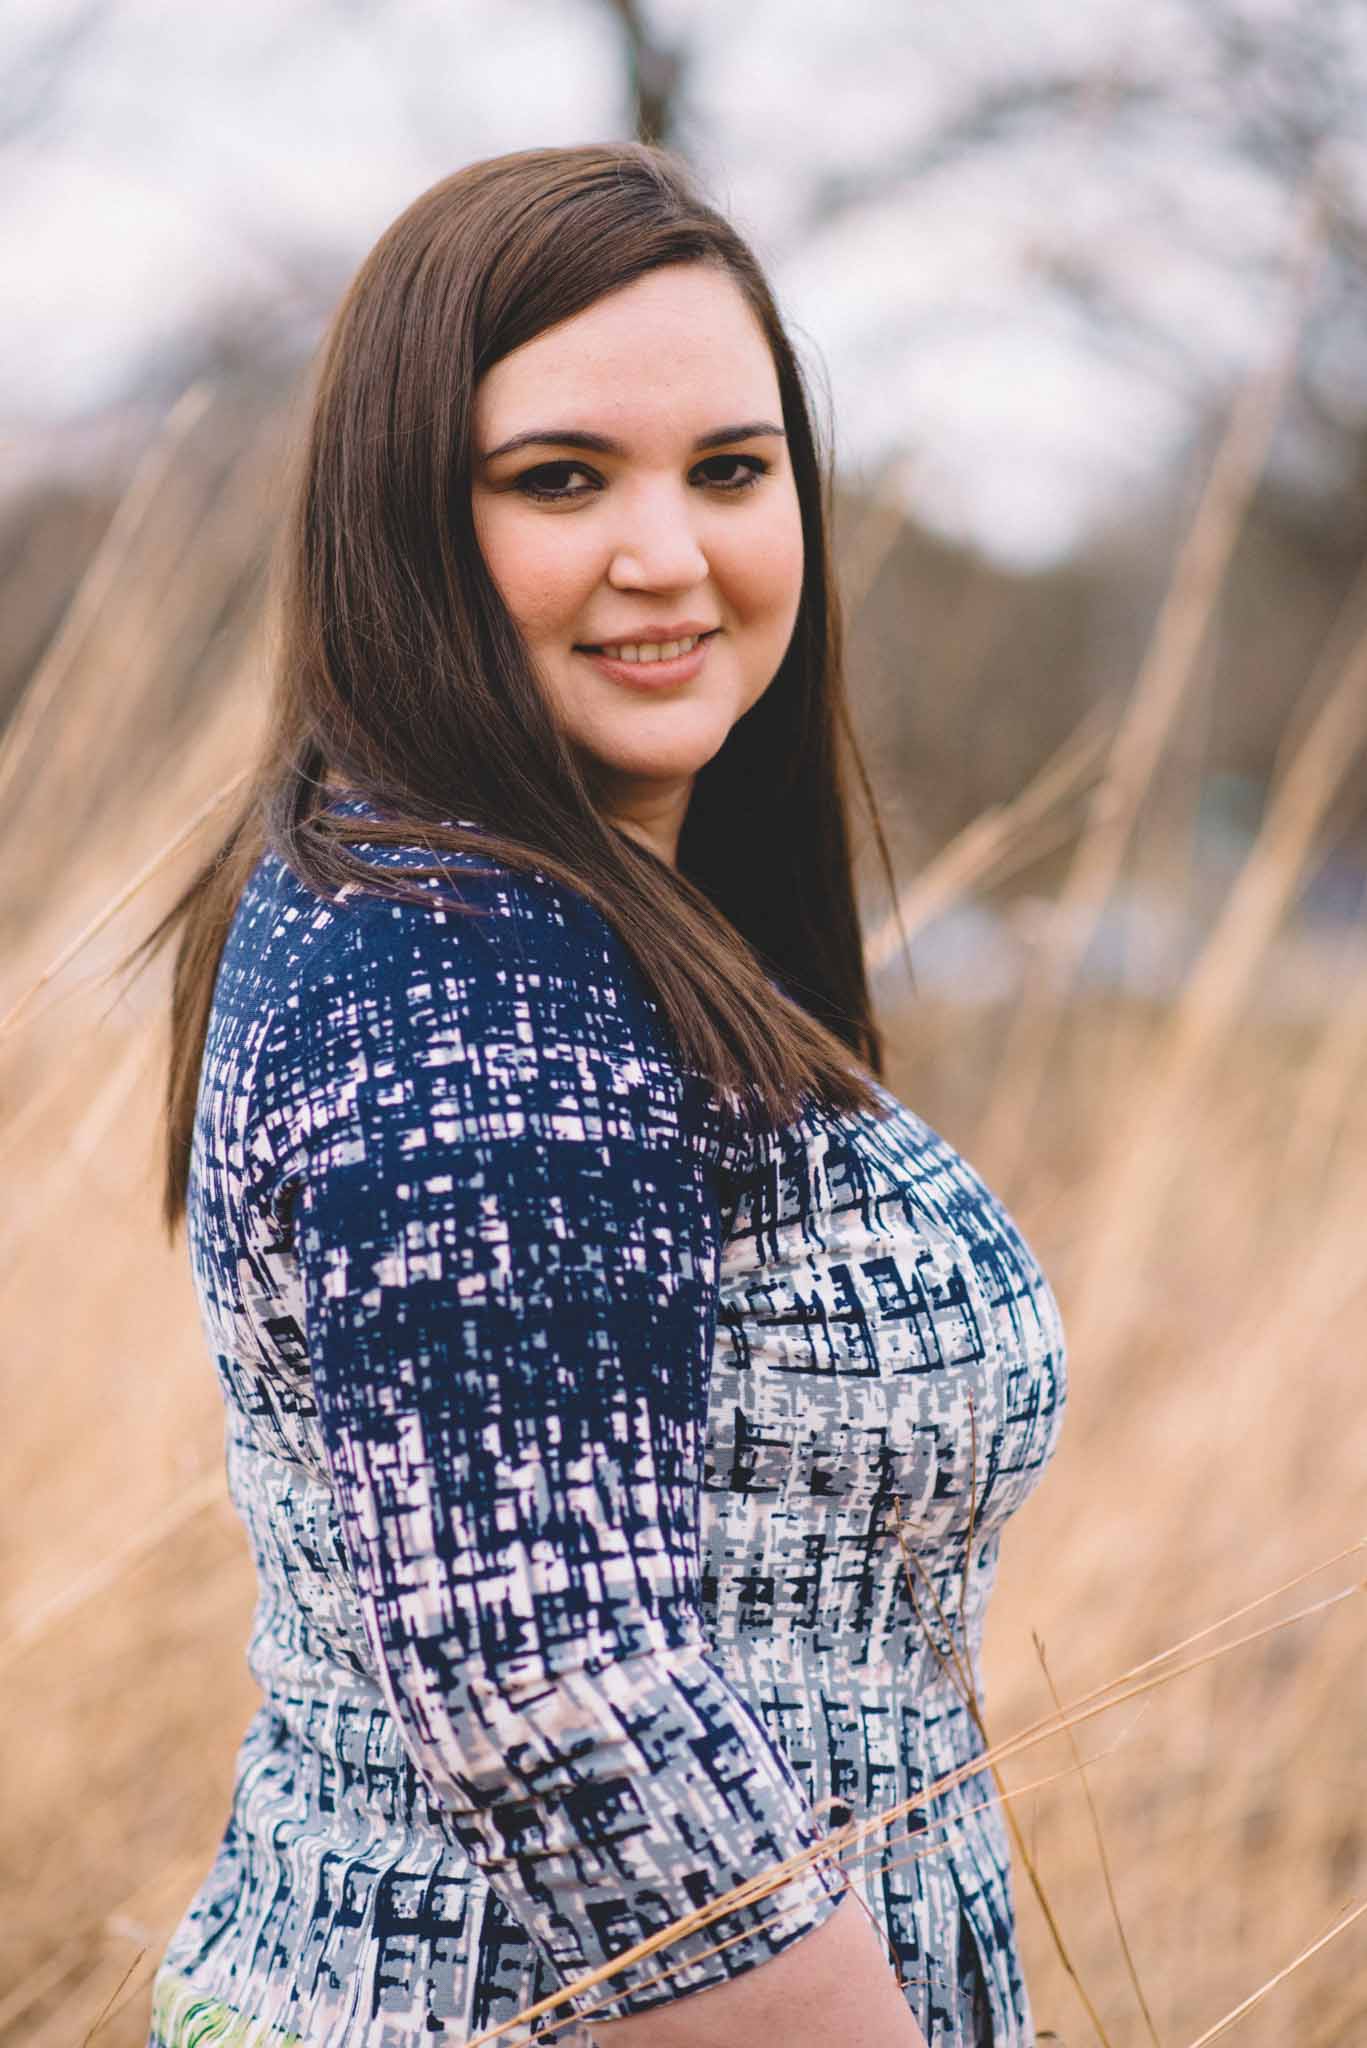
1192,1175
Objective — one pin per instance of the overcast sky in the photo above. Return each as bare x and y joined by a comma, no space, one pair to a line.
176,157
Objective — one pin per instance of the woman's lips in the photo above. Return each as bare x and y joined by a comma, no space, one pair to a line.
651,675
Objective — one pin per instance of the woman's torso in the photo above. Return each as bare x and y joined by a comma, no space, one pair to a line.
887,1352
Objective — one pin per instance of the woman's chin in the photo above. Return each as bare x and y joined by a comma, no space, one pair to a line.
665,764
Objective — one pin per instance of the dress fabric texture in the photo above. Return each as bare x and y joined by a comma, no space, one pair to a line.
624,1488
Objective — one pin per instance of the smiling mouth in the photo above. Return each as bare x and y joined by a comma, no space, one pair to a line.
648,652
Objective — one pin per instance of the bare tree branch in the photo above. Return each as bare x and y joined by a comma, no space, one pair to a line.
655,73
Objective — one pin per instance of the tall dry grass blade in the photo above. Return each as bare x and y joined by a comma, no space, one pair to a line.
1008,1794
1211,1628
100,578
205,1493
1099,1837
183,1873
754,1888
984,845
1119,1692
778,1874
745,1894
108,2007
1053,1925
1089,1709
1164,680
58,2028
1127,1202
1222,2026
149,868
919,1855
1104,1698
957,1669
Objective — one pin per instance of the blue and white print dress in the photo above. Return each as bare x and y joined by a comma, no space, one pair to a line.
572,1428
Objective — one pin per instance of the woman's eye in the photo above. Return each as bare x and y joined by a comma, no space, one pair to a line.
543,481
753,467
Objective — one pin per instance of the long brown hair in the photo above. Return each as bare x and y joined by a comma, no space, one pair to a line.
401,676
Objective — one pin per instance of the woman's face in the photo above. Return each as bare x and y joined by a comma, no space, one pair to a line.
651,500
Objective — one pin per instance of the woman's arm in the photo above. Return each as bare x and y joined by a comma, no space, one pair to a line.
508,1206
833,1989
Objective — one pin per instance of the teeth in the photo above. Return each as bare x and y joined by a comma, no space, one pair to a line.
651,650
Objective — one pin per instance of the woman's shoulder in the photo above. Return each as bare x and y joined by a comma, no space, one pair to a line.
517,952
526,987
483,910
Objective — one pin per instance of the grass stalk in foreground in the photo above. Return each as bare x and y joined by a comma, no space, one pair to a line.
958,1671
1102,1856
108,2007
1238,2012
1102,1700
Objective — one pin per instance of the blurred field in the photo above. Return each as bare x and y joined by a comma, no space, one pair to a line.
1188,1164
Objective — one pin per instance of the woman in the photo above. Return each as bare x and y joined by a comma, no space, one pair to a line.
625,1391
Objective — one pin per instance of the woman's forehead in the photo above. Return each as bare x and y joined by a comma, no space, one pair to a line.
679,344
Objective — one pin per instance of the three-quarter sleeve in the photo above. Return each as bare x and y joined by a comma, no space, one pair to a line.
508,1207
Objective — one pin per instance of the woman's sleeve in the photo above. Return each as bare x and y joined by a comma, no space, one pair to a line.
508,1223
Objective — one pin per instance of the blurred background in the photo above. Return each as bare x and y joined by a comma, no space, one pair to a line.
1082,291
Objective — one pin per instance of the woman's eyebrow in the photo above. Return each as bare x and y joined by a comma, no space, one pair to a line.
603,444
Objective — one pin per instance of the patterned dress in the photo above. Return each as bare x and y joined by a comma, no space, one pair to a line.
621,1486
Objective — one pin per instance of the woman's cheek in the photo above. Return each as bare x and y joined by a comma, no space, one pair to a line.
538,575
782,591
775,567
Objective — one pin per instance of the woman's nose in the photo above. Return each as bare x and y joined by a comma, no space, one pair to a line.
657,548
